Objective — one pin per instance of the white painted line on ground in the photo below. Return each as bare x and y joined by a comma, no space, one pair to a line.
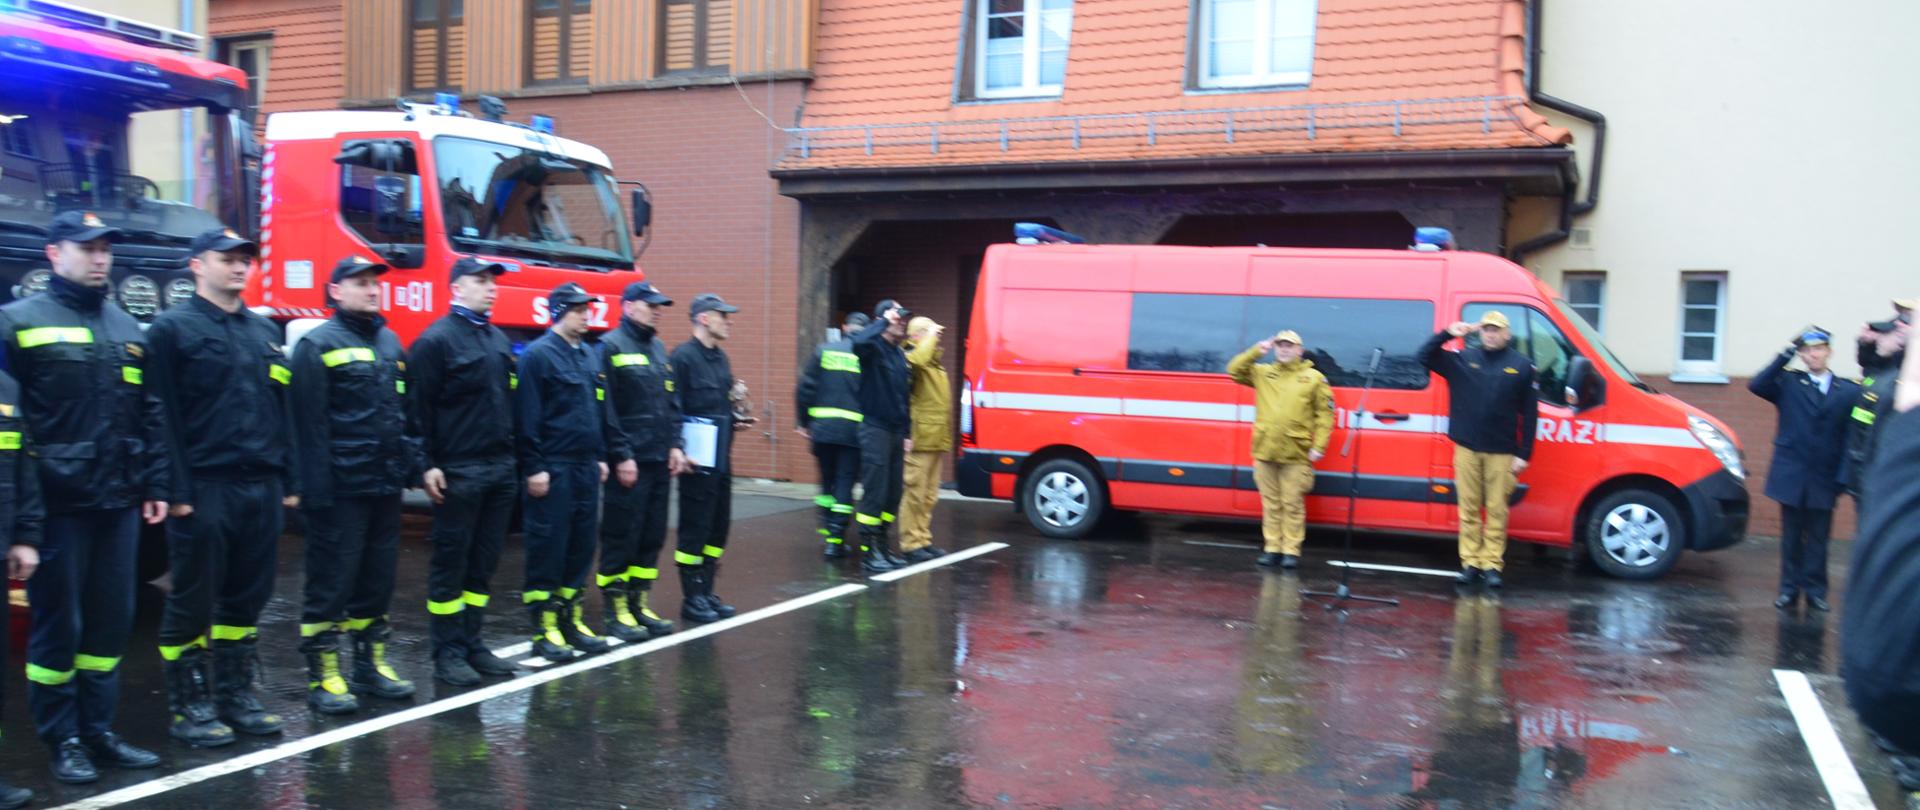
344,733
1211,544
1398,569
949,559
1836,770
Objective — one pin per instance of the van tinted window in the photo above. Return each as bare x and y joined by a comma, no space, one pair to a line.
1200,333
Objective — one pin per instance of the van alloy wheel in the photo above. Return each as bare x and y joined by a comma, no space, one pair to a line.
1635,535
1061,500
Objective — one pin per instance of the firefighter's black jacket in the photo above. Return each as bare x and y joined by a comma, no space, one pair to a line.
1493,407
22,513
827,401
1880,636
703,377
640,392
561,402
883,379
349,412
223,378
460,382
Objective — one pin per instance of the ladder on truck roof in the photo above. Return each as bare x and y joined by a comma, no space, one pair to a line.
68,15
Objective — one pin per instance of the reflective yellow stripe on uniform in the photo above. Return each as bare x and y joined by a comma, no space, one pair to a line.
400,386
9,440
513,381
886,517
600,394
603,580
823,501
714,551
624,360
43,335
356,625
842,509
840,361
172,652
478,600
569,593
867,520
280,374
531,597
836,413
131,374
96,663
310,629
636,572
351,354
447,608
684,558
1863,416
48,677
232,632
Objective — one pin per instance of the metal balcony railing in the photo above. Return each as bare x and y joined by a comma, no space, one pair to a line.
1227,126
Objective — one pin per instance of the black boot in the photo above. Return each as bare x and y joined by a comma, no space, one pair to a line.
573,627
190,698
112,750
72,764
873,541
835,549
643,612
548,642
371,673
236,667
479,656
450,650
720,606
327,691
886,548
693,602
12,797
619,614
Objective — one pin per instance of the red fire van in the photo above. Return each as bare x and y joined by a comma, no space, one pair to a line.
1095,380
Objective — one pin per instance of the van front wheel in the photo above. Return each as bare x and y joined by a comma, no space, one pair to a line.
1635,534
1064,499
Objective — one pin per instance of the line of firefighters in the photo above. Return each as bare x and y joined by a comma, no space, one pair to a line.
206,422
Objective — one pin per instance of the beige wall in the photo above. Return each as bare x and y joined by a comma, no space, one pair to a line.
1768,139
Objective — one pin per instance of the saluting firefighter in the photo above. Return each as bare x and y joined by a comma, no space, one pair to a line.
355,456
827,405
930,406
1808,448
460,381
1292,421
884,385
223,378
1492,410
100,447
22,516
564,423
646,455
1881,353
703,377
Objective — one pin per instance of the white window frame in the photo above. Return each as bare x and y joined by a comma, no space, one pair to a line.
262,47
1263,74
1704,371
1031,12
1566,291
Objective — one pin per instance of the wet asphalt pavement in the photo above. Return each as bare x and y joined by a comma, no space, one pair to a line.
1152,666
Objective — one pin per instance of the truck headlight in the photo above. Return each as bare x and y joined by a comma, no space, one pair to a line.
1719,444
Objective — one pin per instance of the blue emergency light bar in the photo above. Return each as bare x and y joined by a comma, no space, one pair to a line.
542,124
447,103
1034,233
1430,238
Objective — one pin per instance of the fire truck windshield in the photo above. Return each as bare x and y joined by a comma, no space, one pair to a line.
532,203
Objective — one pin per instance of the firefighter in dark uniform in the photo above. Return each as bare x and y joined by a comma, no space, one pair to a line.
1880,357
354,457
21,516
1808,446
884,425
645,453
828,407
561,405
460,381
1491,414
223,378
99,444
703,377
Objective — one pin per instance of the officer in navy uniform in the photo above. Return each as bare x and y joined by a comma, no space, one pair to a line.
827,405
1808,447
646,454
100,447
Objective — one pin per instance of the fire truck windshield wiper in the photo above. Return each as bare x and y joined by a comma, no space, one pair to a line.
557,258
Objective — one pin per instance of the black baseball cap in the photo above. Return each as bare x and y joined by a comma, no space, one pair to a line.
223,240
78,226
709,302
470,266
567,296
644,291
354,265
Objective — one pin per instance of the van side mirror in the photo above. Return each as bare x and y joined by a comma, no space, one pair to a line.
1585,387
642,212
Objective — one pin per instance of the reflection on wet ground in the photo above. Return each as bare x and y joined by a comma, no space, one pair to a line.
1132,670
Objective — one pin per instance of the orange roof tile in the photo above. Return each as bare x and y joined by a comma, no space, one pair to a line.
890,65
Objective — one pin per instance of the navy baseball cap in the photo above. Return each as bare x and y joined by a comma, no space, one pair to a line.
709,302
645,291
78,226
470,266
223,240
354,265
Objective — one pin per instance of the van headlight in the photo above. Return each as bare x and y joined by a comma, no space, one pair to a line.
1722,447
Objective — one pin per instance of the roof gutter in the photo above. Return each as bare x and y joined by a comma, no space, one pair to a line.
1569,207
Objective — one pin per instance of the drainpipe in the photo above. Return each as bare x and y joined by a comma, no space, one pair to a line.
1569,206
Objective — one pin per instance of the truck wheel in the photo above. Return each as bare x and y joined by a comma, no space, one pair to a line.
1064,499
1635,534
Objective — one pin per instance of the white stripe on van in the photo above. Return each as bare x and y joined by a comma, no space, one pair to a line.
1642,435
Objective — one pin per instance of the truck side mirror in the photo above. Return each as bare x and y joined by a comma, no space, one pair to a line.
1585,387
642,212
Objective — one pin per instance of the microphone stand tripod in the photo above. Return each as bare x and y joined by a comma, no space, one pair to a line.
1344,593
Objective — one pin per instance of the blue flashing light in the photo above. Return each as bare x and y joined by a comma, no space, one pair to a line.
448,103
1034,233
542,124
1430,238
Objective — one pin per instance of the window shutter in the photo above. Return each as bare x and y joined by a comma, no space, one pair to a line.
580,44
719,33
456,55
679,50
546,48
426,57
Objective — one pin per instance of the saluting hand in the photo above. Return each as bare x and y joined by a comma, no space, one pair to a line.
1459,329
1264,346
537,484
436,484
153,512
22,561
629,473
1906,391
